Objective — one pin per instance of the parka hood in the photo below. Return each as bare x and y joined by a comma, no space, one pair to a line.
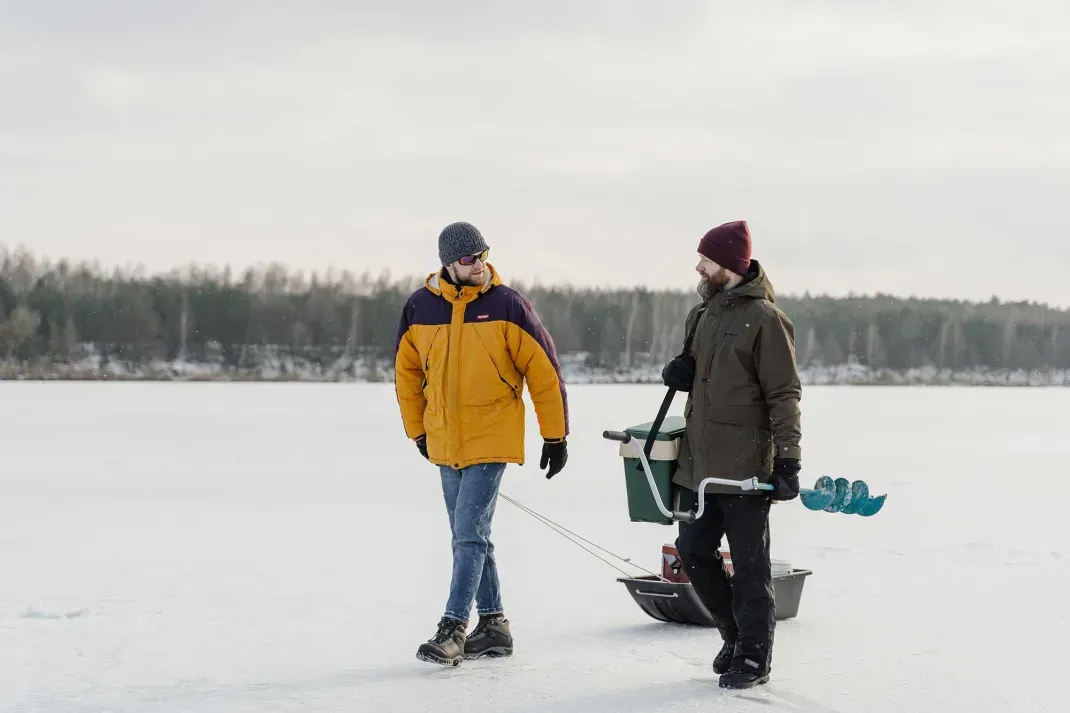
439,284
755,286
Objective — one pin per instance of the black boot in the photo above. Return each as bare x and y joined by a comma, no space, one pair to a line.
744,673
446,647
491,637
723,661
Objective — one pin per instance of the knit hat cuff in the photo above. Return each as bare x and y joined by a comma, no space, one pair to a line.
736,263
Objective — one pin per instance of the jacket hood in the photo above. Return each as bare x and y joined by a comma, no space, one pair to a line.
755,286
437,283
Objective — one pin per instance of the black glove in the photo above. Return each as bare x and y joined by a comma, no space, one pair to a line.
421,444
554,454
785,478
679,373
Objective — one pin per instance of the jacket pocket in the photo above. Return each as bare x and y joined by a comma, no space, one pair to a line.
731,450
484,380
764,451
430,360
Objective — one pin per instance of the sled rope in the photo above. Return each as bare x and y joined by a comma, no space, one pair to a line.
561,530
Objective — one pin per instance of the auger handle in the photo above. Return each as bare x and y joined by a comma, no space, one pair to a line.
748,484
617,436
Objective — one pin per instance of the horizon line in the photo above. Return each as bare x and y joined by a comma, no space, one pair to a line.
138,270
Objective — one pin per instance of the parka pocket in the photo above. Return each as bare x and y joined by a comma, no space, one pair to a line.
485,382
764,450
731,449
432,361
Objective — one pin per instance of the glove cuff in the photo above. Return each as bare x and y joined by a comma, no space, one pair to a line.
792,452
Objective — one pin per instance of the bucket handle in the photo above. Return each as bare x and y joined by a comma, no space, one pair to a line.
633,448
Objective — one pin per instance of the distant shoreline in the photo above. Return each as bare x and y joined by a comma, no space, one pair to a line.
850,374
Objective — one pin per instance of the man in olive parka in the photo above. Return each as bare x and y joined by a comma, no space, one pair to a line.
742,421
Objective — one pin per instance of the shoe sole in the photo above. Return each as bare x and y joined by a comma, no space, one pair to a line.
431,658
759,682
497,652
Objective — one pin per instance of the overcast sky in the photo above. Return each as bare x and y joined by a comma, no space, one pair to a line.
909,147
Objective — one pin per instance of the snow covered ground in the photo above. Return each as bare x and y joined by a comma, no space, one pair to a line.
250,547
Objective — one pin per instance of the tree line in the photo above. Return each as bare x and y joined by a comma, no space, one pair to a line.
53,313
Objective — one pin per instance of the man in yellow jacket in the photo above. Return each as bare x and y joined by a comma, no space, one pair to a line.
466,344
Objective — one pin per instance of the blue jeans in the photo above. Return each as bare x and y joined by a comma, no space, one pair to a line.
471,494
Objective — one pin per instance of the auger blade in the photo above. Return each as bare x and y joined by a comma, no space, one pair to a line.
816,500
821,496
873,506
859,498
842,496
842,486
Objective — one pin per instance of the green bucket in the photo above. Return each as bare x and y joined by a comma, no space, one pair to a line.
642,507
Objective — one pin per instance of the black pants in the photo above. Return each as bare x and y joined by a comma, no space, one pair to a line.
741,603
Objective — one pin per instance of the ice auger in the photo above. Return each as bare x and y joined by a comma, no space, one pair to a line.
827,495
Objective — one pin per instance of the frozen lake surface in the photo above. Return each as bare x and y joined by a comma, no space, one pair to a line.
252,547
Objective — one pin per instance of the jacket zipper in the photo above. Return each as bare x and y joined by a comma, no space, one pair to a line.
446,410
713,350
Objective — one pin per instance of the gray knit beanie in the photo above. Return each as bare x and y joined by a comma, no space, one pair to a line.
457,240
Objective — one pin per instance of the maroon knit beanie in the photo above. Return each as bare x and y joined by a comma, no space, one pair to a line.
728,245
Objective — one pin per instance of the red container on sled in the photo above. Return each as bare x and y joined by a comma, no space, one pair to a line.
673,570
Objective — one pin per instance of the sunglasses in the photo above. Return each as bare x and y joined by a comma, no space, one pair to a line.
471,259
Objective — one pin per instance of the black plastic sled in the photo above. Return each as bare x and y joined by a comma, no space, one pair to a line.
677,603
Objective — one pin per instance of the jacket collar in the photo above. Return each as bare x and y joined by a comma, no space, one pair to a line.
755,285
439,283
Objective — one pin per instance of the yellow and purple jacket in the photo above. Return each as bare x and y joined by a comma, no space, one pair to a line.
461,358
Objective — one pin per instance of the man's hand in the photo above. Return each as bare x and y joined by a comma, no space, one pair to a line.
554,454
785,478
421,445
679,373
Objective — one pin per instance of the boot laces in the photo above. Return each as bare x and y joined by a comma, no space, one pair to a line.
484,623
445,631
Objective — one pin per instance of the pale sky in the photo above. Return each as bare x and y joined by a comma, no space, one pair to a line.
909,147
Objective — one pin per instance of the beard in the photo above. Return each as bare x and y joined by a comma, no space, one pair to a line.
710,285
471,280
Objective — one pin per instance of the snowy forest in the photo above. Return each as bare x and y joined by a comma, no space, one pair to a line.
79,321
